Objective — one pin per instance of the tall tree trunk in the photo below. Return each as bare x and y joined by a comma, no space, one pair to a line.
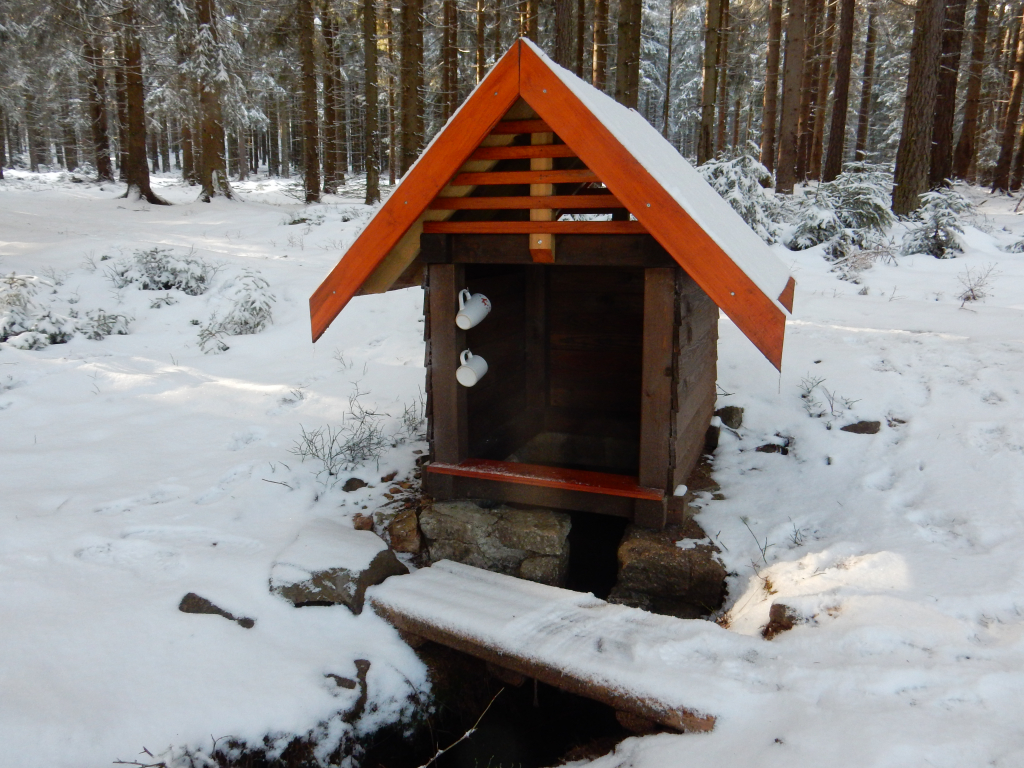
328,28
627,60
965,147
188,165
581,23
771,86
481,58
412,82
599,76
165,144
809,83
709,94
914,153
273,138
389,26
821,100
213,175
69,140
945,100
1001,175
3,142
867,85
792,75
533,20
844,56
668,69
1018,161
449,58
122,109
242,145
137,169
371,138
722,109
563,32
97,108
310,118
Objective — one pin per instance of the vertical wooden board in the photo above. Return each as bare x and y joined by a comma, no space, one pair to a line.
445,155
536,342
448,397
656,389
757,315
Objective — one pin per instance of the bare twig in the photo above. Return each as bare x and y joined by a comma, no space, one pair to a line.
464,736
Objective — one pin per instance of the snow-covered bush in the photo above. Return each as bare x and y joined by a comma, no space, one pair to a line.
158,269
18,306
100,324
742,181
938,224
849,213
251,311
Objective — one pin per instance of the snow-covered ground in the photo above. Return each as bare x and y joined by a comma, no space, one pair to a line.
136,468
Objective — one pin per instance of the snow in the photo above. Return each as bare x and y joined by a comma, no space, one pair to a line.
682,181
136,469
322,545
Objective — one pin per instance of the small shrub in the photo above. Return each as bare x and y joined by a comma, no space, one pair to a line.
99,324
976,283
358,440
18,306
251,312
849,213
158,269
742,182
938,224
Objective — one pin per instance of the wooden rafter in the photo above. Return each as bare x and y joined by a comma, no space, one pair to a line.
567,202
532,227
522,153
521,126
572,176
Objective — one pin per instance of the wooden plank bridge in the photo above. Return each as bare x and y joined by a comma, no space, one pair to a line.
570,640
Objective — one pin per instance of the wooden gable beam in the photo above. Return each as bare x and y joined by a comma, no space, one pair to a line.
467,129
756,315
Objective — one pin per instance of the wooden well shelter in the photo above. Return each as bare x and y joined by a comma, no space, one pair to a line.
605,258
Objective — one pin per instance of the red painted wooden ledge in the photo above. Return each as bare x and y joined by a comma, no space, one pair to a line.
549,477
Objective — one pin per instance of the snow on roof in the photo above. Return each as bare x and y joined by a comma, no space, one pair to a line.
694,195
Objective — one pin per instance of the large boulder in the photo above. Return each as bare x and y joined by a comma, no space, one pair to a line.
669,572
331,563
532,544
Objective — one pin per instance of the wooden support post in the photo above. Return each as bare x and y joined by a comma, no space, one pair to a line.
656,392
448,398
542,244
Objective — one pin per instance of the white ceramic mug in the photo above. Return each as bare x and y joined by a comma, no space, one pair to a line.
472,309
472,369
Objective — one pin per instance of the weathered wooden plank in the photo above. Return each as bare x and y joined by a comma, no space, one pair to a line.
447,342
523,153
548,477
563,202
520,126
530,628
574,176
537,496
534,227
656,389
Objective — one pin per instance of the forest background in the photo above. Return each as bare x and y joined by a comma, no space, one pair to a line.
327,89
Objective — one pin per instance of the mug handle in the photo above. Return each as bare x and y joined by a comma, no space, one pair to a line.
464,357
464,296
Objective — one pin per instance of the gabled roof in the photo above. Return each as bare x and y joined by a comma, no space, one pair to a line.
668,198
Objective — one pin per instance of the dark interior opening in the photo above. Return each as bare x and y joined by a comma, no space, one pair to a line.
593,552
564,347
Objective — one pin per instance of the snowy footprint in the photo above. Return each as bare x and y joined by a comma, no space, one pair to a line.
159,495
223,487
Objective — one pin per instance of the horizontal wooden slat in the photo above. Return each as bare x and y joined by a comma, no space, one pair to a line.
577,175
549,477
522,153
534,227
506,127
576,202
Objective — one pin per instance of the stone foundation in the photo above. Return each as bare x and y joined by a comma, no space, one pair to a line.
660,576
529,543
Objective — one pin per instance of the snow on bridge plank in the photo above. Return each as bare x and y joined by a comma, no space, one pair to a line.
566,639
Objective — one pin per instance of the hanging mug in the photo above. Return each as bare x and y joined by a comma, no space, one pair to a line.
472,309
472,369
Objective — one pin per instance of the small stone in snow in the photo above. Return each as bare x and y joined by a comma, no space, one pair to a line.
863,427
362,522
353,484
